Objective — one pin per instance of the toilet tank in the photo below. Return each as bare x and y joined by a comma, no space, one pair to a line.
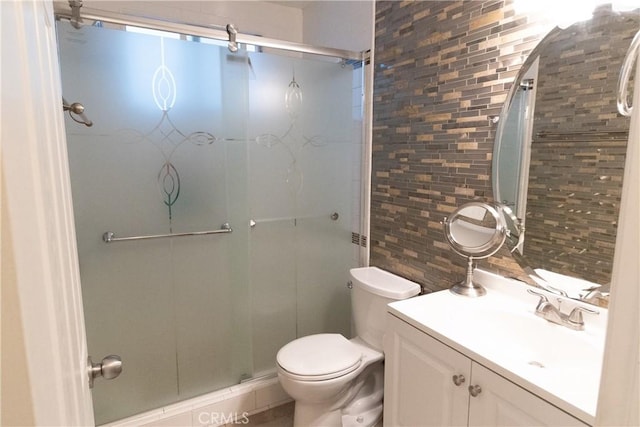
372,290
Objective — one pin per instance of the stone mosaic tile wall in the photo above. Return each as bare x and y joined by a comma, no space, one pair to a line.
442,70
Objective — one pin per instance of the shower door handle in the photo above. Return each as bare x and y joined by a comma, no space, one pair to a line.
109,368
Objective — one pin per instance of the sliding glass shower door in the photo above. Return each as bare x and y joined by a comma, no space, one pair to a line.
160,158
260,149
304,193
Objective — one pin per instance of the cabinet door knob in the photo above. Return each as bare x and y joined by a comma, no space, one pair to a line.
458,379
475,390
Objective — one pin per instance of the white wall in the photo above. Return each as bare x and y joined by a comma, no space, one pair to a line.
253,17
619,402
17,406
345,25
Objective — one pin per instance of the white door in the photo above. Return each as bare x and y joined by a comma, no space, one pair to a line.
37,211
425,381
499,402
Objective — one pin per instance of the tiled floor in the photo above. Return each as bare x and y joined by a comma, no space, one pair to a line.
280,416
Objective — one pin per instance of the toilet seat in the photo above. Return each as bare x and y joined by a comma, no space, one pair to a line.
319,357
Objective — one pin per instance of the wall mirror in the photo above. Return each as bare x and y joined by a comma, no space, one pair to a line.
559,155
475,231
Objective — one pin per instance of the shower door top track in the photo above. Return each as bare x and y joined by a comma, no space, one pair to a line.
208,32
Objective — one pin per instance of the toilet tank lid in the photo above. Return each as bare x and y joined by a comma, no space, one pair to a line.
383,283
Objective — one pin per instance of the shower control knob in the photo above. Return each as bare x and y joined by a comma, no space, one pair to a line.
109,368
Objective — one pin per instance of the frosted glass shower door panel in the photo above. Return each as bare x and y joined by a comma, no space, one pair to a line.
304,142
205,321
213,334
156,162
323,244
273,290
323,254
298,108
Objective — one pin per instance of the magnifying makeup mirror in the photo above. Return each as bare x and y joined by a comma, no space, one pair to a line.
475,231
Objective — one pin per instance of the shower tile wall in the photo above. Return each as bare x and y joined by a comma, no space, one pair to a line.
443,69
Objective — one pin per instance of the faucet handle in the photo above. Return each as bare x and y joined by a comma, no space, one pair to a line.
576,314
557,291
543,297
575,320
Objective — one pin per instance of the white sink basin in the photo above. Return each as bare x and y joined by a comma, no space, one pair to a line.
501,331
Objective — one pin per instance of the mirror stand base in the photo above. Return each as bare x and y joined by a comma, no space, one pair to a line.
467,288
468,291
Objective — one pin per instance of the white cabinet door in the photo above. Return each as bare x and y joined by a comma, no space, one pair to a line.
502,403
419,388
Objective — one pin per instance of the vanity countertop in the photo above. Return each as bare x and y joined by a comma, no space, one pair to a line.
501,331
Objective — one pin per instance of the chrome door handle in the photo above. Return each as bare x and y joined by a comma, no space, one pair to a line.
109,368
458,379
475,390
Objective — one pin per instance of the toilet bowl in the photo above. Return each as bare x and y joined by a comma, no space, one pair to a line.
321,373
336,381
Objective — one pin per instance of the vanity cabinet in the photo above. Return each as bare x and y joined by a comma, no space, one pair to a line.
428,384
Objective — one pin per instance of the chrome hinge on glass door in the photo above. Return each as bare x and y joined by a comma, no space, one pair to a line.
109,368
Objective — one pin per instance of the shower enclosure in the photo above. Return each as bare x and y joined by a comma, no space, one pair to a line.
217,199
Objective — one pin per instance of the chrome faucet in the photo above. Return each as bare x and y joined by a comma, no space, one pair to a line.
551,313
592,295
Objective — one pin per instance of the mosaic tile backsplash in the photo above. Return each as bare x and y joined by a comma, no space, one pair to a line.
442,71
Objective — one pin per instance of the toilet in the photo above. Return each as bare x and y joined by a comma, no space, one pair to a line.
337,381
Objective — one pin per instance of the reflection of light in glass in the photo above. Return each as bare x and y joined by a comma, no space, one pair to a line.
163,84
566,12
223,43
151,32
295,178
198,39
293,98
624,5
163,87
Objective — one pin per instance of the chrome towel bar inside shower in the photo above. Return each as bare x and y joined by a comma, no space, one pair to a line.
110,237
